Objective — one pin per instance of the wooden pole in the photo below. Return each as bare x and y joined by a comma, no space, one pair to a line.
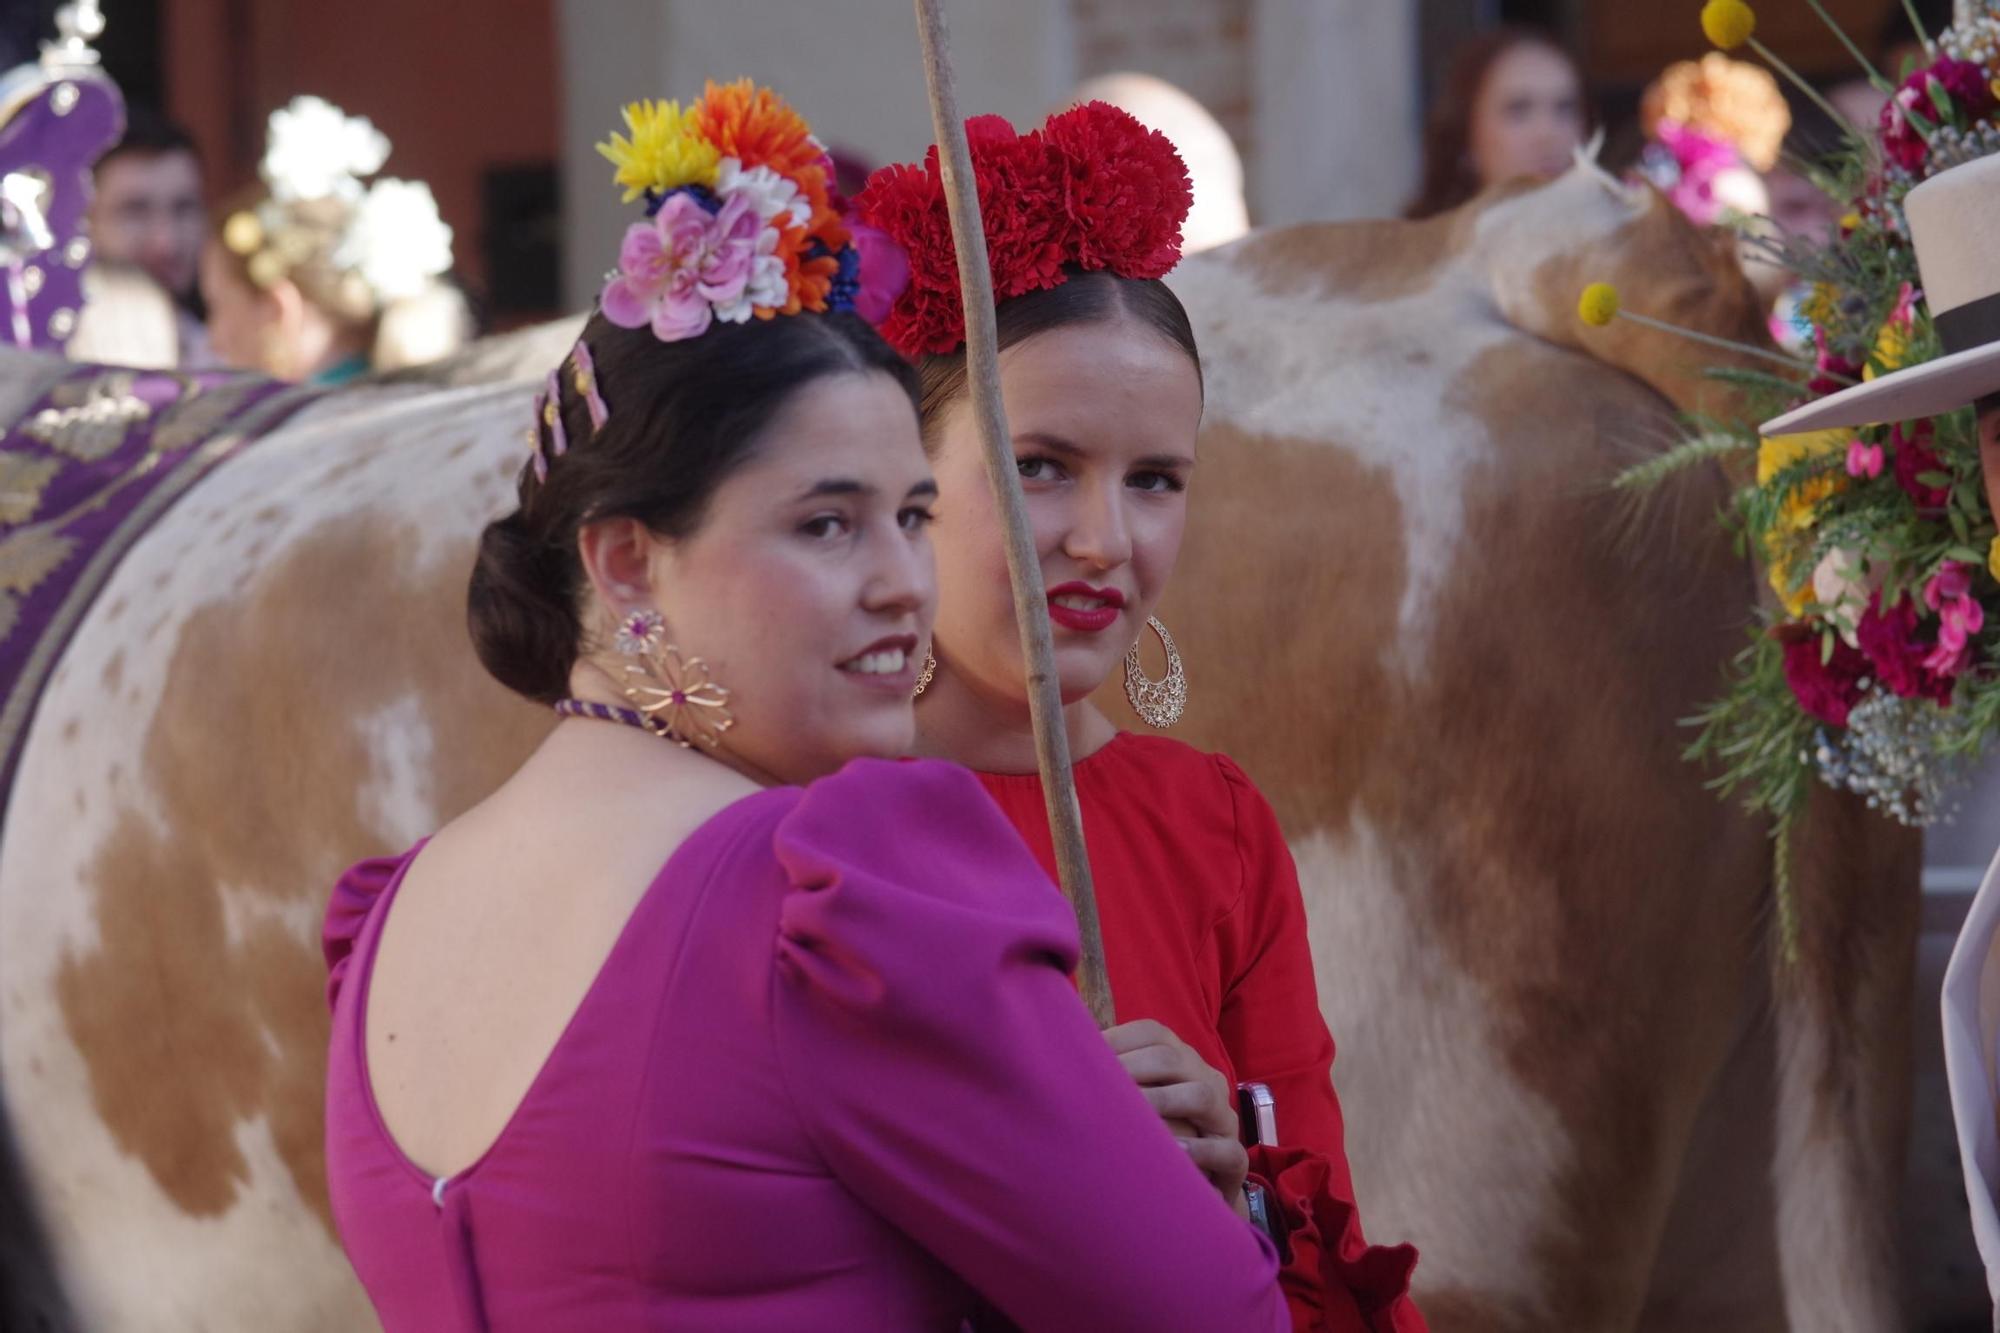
982,373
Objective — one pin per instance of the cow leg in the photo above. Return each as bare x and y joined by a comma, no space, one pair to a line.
1844,1067
1717,1267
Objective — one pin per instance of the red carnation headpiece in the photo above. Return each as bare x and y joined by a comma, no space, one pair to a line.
1092,189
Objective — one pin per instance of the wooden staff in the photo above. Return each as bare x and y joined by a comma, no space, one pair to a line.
982,373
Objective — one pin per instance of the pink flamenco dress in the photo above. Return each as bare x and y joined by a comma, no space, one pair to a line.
833,1075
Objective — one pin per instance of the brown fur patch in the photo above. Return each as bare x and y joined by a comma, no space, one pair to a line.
257,759
1352,261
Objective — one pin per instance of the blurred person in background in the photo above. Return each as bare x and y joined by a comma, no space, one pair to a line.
313,275
1512,107
148,213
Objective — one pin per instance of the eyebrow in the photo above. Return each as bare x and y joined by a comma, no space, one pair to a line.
849,486
1056,444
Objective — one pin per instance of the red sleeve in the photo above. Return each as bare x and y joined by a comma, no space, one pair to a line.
1271,1025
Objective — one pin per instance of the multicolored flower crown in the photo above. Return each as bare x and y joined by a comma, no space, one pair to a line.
743,219
1092,189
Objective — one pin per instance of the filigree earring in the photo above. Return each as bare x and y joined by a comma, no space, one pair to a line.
672,693
1159,703
925,676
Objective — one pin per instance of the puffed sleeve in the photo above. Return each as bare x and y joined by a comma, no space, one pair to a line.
1271,1025
354,897
935,1049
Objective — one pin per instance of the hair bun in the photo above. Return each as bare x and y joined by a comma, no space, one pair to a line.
521,610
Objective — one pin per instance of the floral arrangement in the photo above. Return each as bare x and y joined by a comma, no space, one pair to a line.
743,219
1711,125
388,236
1091,189
1877,666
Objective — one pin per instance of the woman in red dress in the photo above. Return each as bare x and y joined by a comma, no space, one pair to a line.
1204,928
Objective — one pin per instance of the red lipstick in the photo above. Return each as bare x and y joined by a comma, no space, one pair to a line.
1087,620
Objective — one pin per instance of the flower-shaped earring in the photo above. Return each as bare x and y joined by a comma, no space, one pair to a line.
673,693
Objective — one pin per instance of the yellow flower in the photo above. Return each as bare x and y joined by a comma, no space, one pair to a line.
1993,558
1775,453
1822,305
664,153
1892,351
1598,305
1728,23
1850,221
1794,594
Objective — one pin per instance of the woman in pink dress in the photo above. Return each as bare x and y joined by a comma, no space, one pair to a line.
704,1019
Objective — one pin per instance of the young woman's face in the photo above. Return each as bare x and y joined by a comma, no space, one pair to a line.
1104,418
809,589
1528,119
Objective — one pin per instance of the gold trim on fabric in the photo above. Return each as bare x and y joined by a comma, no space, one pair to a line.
26,693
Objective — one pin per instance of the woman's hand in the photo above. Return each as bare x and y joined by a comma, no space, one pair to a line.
1192,1098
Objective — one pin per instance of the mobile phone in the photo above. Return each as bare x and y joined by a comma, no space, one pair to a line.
1257,1115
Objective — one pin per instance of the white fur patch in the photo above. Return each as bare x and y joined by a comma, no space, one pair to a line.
1448,1149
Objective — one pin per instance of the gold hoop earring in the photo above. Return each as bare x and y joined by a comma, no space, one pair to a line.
924,677
1159,703
673,695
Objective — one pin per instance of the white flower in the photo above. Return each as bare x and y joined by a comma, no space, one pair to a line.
773,194
1842,589
315,150
397,242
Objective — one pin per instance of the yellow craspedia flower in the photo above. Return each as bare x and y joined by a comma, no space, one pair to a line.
664,153
1599,304
1775,453
1993,558
1892,351
1728,23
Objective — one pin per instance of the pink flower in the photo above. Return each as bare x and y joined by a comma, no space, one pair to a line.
884,271
1865,460
1962,83
674,270
1949,593
1901,660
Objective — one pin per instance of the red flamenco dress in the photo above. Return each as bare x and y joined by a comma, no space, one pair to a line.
1205,932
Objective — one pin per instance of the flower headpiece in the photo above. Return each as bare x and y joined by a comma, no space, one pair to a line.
389,237
743,219
1092,189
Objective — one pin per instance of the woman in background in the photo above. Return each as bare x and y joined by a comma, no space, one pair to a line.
1511,107
315,276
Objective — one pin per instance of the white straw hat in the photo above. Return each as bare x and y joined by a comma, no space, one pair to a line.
1955,226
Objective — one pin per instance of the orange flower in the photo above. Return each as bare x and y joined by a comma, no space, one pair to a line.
808,280
759,129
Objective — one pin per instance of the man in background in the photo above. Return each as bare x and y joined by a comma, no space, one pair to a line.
149,215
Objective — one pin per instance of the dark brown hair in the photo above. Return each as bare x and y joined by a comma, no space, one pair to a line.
1096,297
1449,179
683,416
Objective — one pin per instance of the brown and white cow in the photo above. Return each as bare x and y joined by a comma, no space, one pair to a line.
1408,604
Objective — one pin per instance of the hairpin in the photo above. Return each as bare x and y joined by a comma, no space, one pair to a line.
586,385
541,464
549,403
